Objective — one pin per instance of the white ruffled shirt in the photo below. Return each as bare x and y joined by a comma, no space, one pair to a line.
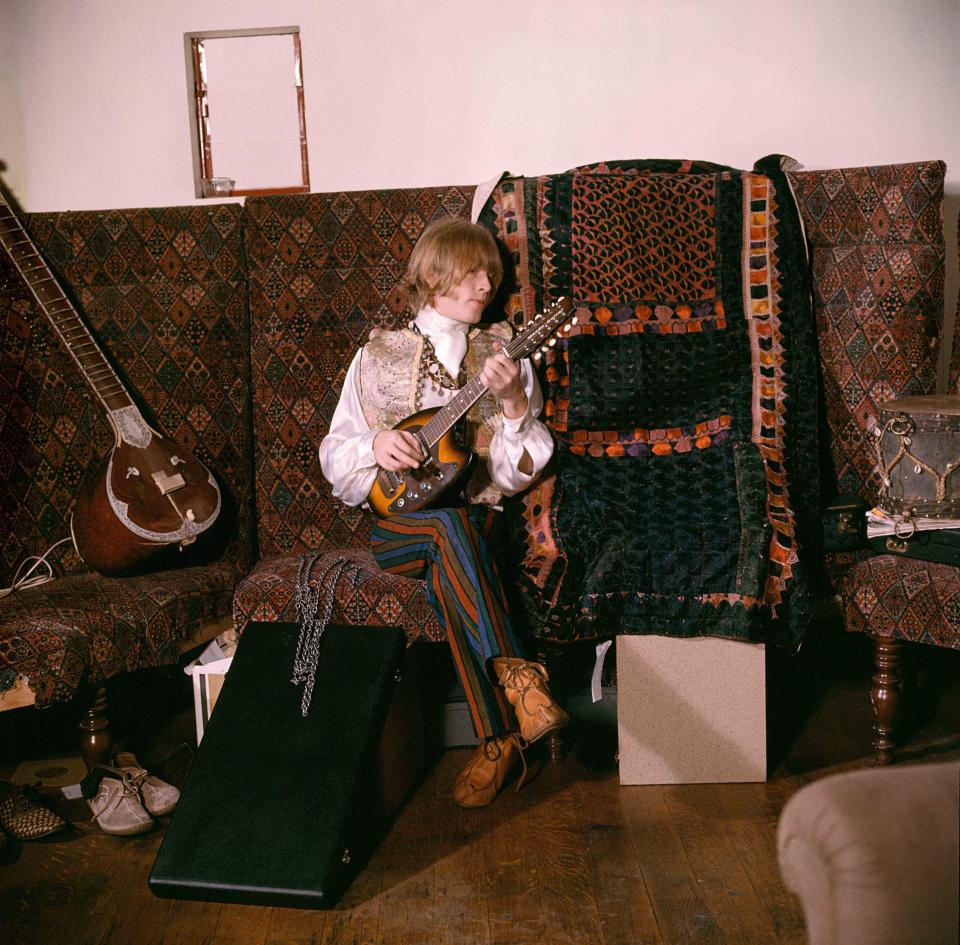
346,452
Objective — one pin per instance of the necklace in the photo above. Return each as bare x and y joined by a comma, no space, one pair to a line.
431,371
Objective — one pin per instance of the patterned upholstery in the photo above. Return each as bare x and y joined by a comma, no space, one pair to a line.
877,239
364,594
905,599
323,270
165,292
877,243
87,628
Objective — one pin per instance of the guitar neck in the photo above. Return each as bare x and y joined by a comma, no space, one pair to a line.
69,326
526,342
444,419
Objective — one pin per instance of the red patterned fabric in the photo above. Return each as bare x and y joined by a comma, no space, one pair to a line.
877,239
164,291
87,628
904,599
364,595
324,269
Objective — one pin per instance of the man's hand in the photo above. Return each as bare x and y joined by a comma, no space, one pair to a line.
397,450
501,377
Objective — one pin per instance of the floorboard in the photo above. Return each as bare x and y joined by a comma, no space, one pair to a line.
572,858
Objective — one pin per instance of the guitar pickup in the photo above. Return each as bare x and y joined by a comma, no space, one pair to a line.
167,484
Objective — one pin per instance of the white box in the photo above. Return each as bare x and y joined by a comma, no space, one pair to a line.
207,683
691,710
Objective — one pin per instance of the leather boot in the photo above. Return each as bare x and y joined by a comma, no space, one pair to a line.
487,770
525,685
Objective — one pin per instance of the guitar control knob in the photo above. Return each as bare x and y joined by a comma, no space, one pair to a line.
439,474
401,502
424,486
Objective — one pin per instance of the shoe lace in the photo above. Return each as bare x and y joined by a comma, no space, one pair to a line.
493,748
522,679
130,787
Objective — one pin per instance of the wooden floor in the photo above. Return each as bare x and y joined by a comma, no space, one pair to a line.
572,858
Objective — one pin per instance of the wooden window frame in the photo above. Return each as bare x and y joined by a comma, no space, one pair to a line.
200,125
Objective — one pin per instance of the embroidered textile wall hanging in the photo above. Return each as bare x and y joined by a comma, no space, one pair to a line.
684,402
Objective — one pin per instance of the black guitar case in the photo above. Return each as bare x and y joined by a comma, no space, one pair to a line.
277,808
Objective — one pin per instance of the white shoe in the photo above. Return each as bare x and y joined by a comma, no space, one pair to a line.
159,798
114,798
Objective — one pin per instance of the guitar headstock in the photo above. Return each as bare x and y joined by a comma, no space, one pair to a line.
541,333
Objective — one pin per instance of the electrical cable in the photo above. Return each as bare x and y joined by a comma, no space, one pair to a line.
29,579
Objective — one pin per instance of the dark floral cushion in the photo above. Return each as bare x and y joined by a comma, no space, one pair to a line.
904,599
363,593
87,628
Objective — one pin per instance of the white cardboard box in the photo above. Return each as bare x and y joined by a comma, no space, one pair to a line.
207,683
691,710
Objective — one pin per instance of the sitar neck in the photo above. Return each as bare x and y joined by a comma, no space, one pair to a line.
69,326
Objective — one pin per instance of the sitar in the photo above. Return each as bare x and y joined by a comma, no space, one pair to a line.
447,465
149,494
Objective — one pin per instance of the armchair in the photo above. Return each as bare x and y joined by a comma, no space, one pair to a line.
848,848
898,600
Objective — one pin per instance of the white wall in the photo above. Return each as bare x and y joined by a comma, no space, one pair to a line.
95,109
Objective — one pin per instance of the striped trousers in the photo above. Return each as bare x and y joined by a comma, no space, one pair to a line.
451,549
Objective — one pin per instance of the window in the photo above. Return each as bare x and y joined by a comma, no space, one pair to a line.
248,131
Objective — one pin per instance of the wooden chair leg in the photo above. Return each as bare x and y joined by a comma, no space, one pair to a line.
554,658
885,697
96,742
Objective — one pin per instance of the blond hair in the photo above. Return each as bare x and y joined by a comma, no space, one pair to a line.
447,250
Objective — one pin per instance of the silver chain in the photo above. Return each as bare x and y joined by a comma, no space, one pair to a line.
313,624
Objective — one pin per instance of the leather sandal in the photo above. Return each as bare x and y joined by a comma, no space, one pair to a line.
488,769
525,685
24,816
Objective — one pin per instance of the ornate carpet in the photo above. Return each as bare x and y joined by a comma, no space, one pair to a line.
684,402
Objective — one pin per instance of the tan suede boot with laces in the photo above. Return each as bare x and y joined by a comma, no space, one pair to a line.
487,770
525,685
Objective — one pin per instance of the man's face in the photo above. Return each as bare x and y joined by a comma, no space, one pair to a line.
466,301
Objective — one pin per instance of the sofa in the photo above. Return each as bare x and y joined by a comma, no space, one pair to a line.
234,327
873,855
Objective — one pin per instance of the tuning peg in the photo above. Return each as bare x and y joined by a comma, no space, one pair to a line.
537,356
552,342
573,321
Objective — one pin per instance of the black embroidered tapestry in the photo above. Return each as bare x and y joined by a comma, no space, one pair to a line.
682,499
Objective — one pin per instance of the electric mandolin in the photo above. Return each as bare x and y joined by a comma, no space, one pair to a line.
448,464
149,494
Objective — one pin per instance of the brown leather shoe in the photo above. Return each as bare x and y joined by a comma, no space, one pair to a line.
487,770
526,687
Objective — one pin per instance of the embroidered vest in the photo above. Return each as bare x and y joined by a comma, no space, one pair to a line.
389,370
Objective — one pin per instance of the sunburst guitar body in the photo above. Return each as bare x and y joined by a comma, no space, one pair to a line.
448,464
